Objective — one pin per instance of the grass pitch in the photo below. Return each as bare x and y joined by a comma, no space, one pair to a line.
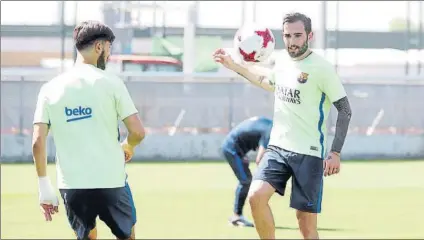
193,200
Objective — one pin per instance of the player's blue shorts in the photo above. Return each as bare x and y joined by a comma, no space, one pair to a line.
278,165
114,206
134,211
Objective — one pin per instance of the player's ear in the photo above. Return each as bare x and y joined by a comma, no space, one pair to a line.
310,36
98,46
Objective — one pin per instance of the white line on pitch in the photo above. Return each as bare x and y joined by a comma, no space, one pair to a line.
177,123
375,122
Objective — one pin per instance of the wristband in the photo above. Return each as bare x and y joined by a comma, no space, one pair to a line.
44,181
45,186
46,192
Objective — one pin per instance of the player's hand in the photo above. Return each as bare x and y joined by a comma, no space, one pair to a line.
49,203
221,56
332,164
128,151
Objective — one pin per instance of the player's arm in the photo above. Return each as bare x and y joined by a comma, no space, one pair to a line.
344,114
334,90
136,132
254,75
47,197
40,132
259,77
39,139
128,113
263,144
261,151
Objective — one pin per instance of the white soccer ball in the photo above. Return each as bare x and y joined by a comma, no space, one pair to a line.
254,43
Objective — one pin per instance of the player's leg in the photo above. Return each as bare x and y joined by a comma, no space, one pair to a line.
241,196
244,175
307,224
132,233
259,195
271,176
81,211
134,210
307,186
93,233
118,212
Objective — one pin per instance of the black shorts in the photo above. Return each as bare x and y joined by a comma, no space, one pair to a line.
278,165
114,206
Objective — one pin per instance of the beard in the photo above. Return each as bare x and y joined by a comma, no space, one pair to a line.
101,61
301,50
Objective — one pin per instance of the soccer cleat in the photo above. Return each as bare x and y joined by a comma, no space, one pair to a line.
240,222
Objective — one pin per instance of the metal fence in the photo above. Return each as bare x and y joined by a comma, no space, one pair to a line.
188,118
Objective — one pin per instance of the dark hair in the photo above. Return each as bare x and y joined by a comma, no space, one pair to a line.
294,17
87,32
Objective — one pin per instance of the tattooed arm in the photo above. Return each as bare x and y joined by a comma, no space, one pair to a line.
259,77
343,119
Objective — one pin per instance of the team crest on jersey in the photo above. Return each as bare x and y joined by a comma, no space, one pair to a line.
303,77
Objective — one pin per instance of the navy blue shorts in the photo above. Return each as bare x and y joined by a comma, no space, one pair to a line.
278,165
114,206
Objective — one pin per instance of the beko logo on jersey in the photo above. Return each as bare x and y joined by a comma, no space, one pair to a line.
78,113
288,94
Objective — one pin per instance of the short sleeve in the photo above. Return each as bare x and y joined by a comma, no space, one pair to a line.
264,140
124,104
41,114
331,85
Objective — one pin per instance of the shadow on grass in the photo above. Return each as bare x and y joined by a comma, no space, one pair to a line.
319,229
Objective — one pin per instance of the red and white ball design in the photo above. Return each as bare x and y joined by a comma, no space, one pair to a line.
254,43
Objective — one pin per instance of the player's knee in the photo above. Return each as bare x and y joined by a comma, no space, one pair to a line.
259,194
246,183
307,224
256,198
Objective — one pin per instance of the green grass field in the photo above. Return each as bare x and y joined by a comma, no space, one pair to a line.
194,200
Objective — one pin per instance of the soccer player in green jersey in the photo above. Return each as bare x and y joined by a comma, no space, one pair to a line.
305,86
82,107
